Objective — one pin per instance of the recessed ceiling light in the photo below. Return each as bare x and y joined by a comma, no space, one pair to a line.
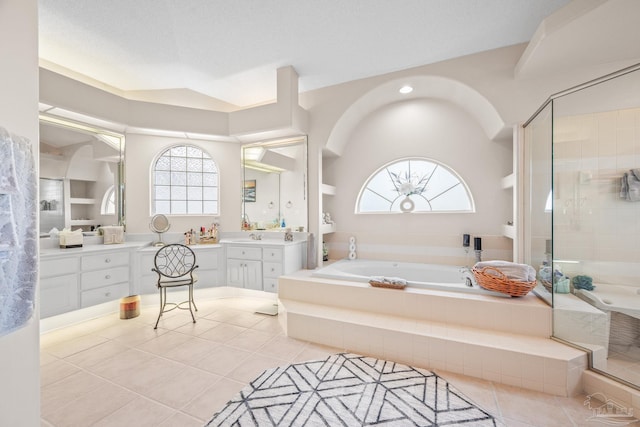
406,89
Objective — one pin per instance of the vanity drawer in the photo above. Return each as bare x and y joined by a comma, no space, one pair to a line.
242,252
272,269
104,294
270,285
58,266
272,254
97,279
93,262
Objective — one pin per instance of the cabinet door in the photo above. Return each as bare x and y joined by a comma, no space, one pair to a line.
270,284
253,275
58,295
235,273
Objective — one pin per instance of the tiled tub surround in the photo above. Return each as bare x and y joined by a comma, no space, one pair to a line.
504,340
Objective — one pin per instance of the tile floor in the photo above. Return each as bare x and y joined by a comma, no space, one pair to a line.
112,372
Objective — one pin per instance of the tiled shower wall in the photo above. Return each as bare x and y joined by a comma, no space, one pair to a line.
592,224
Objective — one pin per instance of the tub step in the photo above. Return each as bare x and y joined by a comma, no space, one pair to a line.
525,361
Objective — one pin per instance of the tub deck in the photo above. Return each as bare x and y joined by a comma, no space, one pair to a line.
506,340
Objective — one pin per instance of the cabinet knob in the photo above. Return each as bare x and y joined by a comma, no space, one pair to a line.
107,260
108,276
107,294
273,269
242,252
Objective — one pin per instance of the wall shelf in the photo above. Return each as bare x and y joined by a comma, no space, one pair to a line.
328,190
327,228
509,231
81,201
508,181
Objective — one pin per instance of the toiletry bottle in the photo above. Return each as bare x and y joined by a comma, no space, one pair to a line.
283,224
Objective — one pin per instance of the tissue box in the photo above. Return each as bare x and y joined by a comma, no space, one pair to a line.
113,234
71,239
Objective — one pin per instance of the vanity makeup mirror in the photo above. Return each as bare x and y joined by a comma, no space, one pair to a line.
159,224
81,176
274,187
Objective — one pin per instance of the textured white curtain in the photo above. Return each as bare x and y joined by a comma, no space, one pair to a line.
18,231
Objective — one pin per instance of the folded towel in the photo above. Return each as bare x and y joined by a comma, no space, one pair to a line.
390,280
512,270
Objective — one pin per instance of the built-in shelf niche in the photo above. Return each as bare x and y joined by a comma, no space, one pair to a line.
327,190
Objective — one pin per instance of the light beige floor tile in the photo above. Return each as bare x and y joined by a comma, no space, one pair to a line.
250,340
181,420
223,315
254,366
97,354
200,327
283,347
91,407
530,407
180,389
140,412
149,375
222,360
315,352
64,392
76,345
46,358
191,351
132,334
178,319
222,333
213,399
55,371
164,343
269,324
246,320
122,364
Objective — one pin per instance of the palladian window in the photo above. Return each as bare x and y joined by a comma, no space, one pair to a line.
185,182
414,185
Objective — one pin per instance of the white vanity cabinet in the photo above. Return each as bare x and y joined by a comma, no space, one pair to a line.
104,277
208,259
58,285
244,267
258,265
82,277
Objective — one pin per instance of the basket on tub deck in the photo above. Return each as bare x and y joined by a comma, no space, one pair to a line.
505,277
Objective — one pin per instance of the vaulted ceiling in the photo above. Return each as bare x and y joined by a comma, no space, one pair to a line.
230,50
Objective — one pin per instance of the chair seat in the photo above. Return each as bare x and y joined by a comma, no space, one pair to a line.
185,279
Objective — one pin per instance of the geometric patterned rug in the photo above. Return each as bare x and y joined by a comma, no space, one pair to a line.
350,390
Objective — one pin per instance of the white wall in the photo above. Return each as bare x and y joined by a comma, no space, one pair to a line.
142,150
19,351
420,128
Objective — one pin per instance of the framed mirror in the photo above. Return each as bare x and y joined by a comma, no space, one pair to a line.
81,176
274,185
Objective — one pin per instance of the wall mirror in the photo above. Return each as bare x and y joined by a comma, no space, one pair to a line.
81,176
274,187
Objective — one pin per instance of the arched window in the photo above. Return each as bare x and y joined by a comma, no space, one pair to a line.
108,206
414,185
185,182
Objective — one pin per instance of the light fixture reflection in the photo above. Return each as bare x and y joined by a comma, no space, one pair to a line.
405,89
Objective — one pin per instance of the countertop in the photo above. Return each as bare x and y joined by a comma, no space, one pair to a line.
87,249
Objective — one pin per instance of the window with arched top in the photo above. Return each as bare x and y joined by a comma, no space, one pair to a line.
414,185
108,205
185,182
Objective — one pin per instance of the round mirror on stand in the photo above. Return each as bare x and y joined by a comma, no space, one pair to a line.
159,224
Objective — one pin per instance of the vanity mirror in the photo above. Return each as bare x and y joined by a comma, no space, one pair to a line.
274,187
81,176
159,224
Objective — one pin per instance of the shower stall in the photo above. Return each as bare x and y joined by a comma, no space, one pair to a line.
582,218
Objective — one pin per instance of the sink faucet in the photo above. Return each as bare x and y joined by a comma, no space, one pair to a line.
469,278
255,236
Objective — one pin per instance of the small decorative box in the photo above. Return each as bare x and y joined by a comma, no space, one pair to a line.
113,234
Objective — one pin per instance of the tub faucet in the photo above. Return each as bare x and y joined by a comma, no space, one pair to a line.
255,236
469,278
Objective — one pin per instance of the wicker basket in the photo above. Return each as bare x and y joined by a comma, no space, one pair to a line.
492,279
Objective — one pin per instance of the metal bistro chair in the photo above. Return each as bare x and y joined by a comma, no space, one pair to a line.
174,265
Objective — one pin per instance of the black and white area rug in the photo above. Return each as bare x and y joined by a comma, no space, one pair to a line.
350,390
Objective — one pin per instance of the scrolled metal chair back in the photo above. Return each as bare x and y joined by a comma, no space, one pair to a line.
175,260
